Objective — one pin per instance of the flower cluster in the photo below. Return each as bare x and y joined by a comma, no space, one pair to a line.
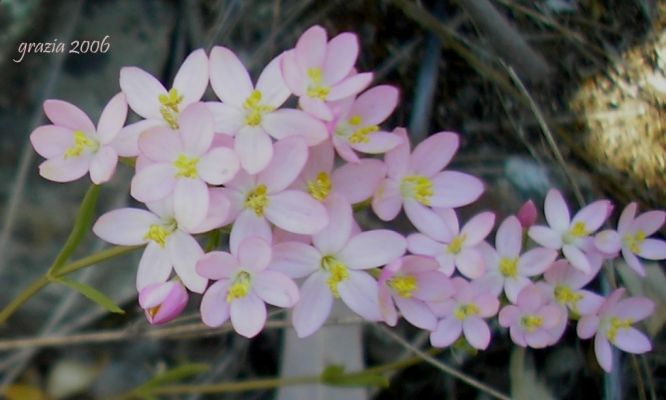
270,173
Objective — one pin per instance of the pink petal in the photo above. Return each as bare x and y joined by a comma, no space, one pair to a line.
545,236
349,86
556,210
191,80
219,166
247,225
455,189
589,304
294,259
345,150
513,287
357,182
536,261
450,218
509,315
289,157
311,48
51,141
537,339
196,129
311,311
627,217
321,158
160,144
154,266
228,77
103,165
487,303
275,288
387,200
112,119
477,228
398,159
191,201
587,326
361,294
217,265
653,249
378,143
417,313
273,89
373,249
295,80
530,299
62,113
447,331
433,286
315,107
518,335
254,148
64,169
254,253
433,154
577,258
608,241
387,308
248,315
634,308
125,226
335,235
476,332
418,243
341,55
470,263
593,215
508,238
226,118
185,252
126,141
287,122
632,341
632,261
603,351
142,91
376,104
214,307
649,222
296,212
426,221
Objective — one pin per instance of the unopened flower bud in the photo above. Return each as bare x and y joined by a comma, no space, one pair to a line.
527,215
163,302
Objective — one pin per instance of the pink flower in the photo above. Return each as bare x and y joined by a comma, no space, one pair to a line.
335,268
533,321
418,182
567,282
632,237
251,114
163,302
72,145
464,313
320,71
527,215
455,247
569,235
356,124
259,199
245,282
183,164
411,282
355,182
507,268
612,325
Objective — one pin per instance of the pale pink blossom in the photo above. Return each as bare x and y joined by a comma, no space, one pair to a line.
572,236
163,301
632,237
73,146
566,286
507,268
612,324
409,283
464,313
453,247
183,164
319,71
335,268
533,321
418,182
251,113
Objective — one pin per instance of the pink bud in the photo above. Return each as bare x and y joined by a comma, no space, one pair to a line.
527,214
163,302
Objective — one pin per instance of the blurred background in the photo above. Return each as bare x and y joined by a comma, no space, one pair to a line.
545,93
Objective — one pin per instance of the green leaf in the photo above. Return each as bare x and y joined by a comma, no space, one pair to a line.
91,293
81,228
173,375
334,375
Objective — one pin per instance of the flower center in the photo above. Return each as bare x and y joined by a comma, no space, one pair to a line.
456,244
337,272
315,88
361,133
615,325
257,200
578,230
169,107
186,166
633,242
417,186
241,286
531,322
320,187
508,267
81,143
567,297
466,310
403,285
255,110
160,233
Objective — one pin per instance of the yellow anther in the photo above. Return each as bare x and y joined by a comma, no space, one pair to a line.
355,120
567,297
255,110
403,285
169,107
466,310
81,143
633,242
417,186
456,244
257,200
615,325
153,311
361,135
316,89
531,322
158,234
186,166
337,272
241,286
578,230
320,187
314,74
508,267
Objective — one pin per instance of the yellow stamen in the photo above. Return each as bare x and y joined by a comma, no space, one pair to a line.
531,322
255,109
337,273
186,166
320,187
633,242
316,89
403,285
361,135
508,267
615,325
355,120
257,200
153,311
466,310
81,142
578,230
241,286
456,244
169,107
159,234
417,186
567,297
